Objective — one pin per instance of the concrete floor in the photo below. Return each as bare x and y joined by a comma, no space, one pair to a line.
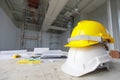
11,70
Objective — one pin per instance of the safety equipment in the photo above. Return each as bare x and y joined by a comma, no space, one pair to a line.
87,48
84,60
88,33
27,61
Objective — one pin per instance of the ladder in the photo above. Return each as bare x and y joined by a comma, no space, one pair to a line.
30,30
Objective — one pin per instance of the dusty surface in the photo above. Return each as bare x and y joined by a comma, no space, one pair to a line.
11,70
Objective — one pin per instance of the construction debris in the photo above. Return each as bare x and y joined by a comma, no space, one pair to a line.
115,54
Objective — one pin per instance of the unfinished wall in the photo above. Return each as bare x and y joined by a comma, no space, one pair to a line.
100,14
64,39
6,9
8,33
51,40
46,40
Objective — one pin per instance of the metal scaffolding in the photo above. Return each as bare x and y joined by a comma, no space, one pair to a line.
30,23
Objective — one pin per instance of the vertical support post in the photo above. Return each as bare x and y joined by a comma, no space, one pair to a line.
113,21
109,17
118,12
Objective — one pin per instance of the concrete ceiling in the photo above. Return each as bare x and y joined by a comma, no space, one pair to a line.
22,13
17,7
55,7
59,15
58,12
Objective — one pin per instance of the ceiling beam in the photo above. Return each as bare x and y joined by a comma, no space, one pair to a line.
58,28
55,7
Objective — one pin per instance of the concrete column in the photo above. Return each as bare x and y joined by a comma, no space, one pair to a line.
113,22
118,12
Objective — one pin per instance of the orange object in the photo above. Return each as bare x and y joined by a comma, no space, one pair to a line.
114,54
33,3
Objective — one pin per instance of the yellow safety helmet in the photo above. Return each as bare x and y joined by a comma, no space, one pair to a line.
87,33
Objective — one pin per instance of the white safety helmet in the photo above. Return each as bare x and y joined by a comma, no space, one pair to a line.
84,60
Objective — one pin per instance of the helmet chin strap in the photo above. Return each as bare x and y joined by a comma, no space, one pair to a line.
104,44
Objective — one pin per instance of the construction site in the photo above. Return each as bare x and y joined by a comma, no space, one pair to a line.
59,39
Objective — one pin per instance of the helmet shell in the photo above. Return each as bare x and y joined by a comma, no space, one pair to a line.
89,28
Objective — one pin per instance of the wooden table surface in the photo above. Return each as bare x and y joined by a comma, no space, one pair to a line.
11,70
